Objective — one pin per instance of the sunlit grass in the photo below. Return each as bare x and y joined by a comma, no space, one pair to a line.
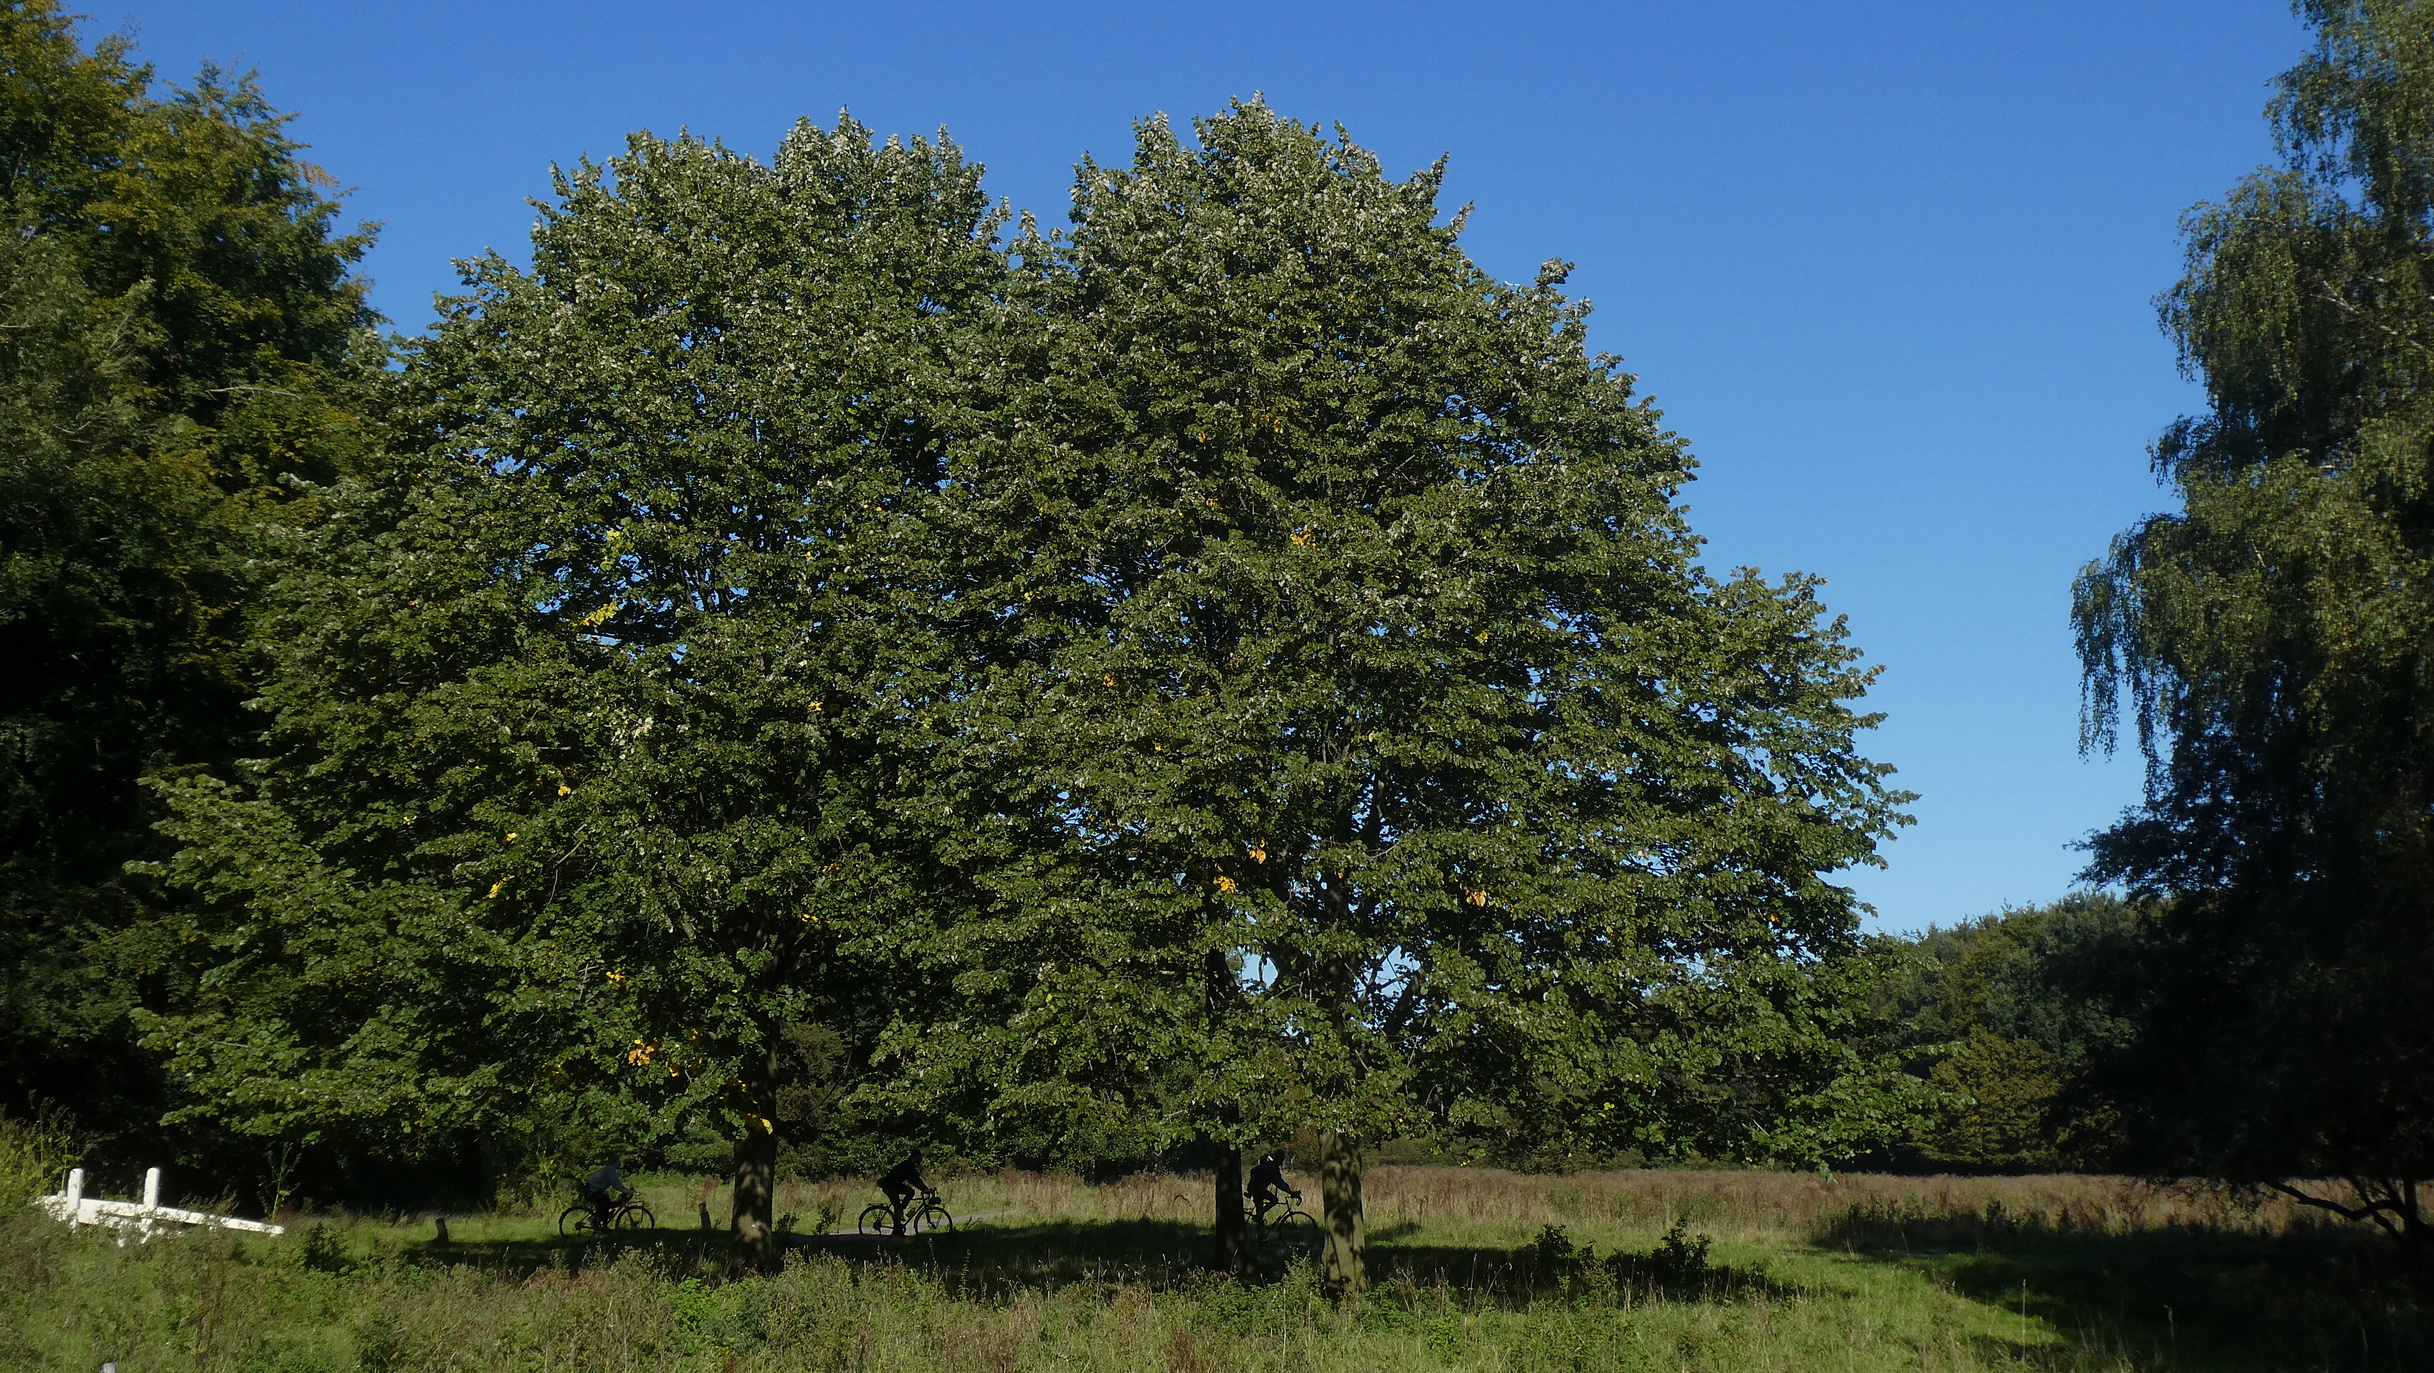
1804,1273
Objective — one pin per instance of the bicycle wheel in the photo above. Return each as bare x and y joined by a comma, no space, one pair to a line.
931,1219
575,1220
877,1219
1294,1227
635,1216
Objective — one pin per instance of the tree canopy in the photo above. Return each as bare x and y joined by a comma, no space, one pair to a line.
592,715
2003,1015
1225,670
2270,637
1402,770
184,333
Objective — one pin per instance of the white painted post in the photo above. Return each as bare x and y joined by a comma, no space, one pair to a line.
152,1203
75,1192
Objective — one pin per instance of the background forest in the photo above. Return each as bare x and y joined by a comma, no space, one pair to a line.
817,664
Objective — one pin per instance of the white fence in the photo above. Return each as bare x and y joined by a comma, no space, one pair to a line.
142,1219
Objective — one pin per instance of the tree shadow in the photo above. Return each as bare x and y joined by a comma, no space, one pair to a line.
677,1253
2197,1298
998,1260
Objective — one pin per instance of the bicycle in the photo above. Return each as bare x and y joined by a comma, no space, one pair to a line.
585,1218
923,1214
1281,1219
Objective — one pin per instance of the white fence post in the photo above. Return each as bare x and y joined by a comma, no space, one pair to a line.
152,1202
145,1218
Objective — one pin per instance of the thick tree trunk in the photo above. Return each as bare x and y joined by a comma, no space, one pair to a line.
754,1248
1343,1268
1233,1230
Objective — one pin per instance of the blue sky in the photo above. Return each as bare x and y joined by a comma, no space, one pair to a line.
1888,265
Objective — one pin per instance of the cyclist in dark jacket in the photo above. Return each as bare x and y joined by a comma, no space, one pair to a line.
1267,1179
901,1183
606,1188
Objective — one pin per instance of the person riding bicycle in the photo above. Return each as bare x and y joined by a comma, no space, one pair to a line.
901,1184
1267,1179
606,1190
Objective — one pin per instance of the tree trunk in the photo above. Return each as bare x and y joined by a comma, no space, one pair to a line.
754,1248
1343,1268
1233,1234
1233,1230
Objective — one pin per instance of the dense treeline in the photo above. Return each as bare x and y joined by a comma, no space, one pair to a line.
813,665
2257,1017
805,657
182,337
2271,637
2004,1016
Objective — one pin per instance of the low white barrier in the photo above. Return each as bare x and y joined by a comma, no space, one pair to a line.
143,1219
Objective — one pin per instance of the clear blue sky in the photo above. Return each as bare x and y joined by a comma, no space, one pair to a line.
1888,264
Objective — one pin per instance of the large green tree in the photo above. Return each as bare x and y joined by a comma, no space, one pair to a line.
1387,763
183,333
2272,638
594,718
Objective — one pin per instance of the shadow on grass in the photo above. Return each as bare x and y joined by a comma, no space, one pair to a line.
2191,1298
996,1260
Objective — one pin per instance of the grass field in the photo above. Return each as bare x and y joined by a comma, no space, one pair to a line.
1800,1273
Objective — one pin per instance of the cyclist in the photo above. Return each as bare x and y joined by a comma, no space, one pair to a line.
605,1190
1267,1179
901,1184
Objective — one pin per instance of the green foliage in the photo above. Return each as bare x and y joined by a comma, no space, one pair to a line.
1234,668
35,1155
2001,1015
2000,1095
593,762
2271,637
1680,1258
1368,751
183,332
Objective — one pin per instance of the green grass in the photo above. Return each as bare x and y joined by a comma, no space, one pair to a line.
1856,1273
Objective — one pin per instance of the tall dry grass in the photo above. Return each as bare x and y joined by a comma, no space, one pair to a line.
1497,1207
2067,1274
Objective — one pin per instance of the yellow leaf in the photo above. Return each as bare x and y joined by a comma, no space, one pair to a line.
1259,853
565,790
1476,898
1225,883
816,705
1303,538
494,889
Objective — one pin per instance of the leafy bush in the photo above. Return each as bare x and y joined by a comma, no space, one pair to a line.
1680,1261
34,1155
